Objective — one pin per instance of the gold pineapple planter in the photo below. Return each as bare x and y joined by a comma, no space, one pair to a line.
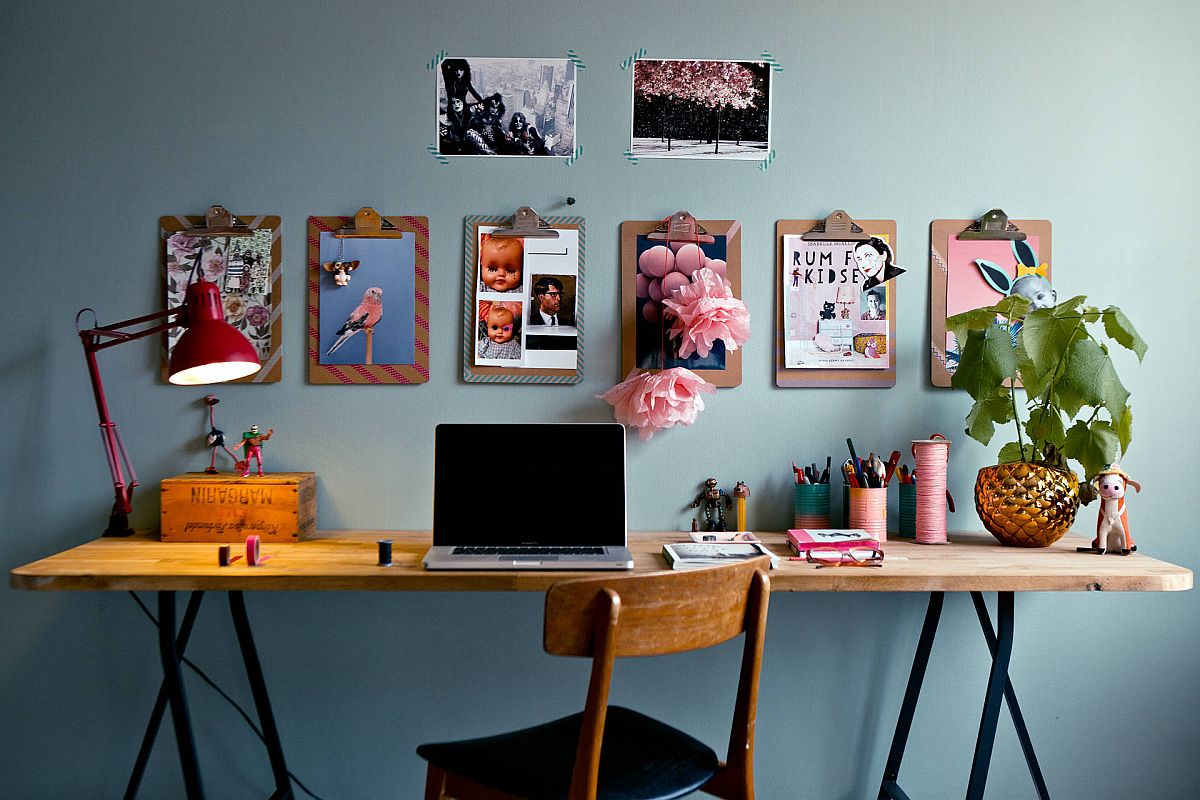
1026,505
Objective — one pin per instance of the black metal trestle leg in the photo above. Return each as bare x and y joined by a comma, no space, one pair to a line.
160,702
997,682
889,787
173,681
262,703
999,691
1010,698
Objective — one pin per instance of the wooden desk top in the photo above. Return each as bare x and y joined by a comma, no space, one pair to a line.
345,560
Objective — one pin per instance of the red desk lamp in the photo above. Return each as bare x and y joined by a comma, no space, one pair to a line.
209,351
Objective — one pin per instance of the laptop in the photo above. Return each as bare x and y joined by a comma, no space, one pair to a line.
529,497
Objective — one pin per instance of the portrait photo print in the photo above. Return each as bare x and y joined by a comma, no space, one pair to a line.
701,109
506,107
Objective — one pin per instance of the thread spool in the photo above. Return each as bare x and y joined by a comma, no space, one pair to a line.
868,511
811,506
932,457
385,552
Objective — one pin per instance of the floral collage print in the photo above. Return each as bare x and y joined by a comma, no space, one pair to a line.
239,266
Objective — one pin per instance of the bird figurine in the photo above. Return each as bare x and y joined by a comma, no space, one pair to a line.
365,316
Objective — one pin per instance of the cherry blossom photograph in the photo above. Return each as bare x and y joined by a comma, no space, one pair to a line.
701,109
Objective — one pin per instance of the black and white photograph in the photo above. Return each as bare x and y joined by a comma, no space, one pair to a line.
701,108
506,107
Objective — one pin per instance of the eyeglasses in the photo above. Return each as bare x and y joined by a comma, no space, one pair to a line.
552,294
854,557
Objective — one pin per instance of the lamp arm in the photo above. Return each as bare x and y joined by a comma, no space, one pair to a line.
100,338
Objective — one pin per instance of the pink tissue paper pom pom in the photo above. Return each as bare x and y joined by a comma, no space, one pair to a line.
655,401
705,311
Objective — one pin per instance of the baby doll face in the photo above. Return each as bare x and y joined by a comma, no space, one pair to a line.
1112,486
500,264
1036,290
500,325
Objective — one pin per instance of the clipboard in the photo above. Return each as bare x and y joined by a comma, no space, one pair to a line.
242,255
837,227
385,253
996,232
536,234
681,228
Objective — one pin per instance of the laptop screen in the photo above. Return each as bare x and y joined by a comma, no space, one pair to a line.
544,484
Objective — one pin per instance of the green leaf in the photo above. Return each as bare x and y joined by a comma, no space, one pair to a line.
1121,330
1013,307
1041,344
1067,399
1090,372
1012,452
987,360
1069,308
1123,423
1093,446
975,320
1046,424
986,413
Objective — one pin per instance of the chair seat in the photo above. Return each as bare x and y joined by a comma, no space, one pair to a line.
641,759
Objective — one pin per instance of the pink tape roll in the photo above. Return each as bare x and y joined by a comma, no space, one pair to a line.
253,551
933,457
868,511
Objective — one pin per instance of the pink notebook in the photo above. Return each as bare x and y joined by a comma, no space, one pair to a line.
804,539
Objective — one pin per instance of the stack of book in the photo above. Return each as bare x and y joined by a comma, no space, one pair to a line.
801,540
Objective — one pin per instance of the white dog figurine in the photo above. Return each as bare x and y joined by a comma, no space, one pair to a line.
1112,526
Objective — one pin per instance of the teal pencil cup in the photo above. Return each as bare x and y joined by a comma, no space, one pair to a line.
811,506
908,510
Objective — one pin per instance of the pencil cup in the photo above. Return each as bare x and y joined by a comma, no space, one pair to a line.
868,511
811,507
908,510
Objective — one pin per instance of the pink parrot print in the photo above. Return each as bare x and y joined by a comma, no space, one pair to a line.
365,315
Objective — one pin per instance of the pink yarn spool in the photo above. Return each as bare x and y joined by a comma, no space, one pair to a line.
932,456
868,511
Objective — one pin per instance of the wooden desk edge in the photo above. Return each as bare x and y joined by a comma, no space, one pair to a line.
342,561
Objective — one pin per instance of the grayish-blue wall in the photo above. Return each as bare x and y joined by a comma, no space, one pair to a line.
116,113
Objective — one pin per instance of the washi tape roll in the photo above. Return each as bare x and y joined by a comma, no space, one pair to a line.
253,551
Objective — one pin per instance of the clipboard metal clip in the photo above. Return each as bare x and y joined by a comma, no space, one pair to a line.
218,222
681,227
369,225
837,227
526,224
993,225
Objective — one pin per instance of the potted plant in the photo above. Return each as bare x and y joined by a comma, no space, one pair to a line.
1076,409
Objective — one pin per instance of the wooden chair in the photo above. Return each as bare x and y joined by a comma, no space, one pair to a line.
609,752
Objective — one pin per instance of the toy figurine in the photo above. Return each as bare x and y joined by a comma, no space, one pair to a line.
215,438
253,441
741,491
1112,524
715,502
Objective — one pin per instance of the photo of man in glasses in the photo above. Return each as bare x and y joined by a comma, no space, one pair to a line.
550,304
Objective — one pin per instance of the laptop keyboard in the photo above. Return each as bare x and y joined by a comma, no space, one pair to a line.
523,550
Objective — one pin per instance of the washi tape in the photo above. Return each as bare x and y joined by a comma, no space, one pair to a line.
254,556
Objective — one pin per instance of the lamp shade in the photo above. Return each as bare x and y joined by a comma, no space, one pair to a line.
210,349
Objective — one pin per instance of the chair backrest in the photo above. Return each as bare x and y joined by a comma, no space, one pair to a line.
660,612
657,614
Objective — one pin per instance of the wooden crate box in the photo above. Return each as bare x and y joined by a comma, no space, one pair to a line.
278,507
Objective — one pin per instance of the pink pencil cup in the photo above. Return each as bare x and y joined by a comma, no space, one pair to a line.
868,511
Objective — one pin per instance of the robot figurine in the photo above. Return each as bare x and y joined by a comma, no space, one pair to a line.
253,441
715,502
